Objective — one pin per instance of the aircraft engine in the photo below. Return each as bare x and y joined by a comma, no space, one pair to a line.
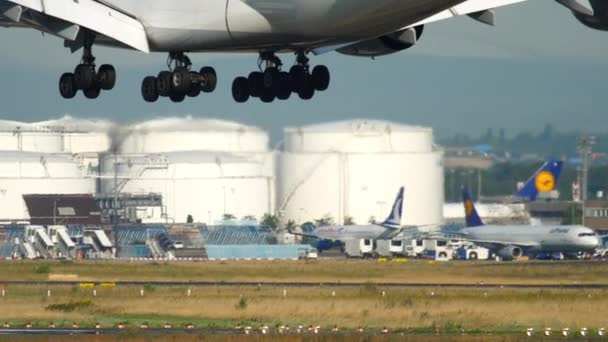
595,18
510,252
385,45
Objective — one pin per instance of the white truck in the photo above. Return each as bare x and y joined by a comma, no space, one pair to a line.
360,248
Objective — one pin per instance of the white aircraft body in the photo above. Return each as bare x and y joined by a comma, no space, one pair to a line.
512,241
386,230
352,27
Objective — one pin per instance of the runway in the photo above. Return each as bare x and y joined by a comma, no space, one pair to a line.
309,284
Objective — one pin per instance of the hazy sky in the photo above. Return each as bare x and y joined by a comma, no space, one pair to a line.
538,65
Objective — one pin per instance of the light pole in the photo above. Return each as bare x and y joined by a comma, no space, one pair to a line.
584,144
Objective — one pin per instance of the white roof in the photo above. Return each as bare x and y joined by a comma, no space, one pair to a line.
189,123
365,125
66,123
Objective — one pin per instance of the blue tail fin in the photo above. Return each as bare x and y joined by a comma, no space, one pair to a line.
543,180
471,216
394,218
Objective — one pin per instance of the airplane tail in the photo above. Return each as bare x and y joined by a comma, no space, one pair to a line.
543,180
471,216
394,218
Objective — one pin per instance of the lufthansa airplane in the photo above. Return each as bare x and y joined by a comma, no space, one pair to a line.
366,28
386,230
512,241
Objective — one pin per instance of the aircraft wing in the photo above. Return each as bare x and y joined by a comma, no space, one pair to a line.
67,18
481,10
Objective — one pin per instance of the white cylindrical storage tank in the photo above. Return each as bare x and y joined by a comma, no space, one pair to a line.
81,135
23,173
203,184
21,136
191,134
355,168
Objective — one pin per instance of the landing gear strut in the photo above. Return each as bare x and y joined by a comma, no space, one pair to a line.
272,83
85,77
179,81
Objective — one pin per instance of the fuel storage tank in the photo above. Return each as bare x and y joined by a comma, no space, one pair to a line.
353,169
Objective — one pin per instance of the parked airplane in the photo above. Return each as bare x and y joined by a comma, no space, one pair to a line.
543,180
386,230
595,17
351,27
512,241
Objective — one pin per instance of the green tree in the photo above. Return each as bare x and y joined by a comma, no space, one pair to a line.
270,220
189,219
324,221
229,217
249,218
348,221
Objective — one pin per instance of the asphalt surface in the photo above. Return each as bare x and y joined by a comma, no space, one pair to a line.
308,284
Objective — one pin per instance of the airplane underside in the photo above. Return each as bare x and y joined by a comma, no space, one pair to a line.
267,27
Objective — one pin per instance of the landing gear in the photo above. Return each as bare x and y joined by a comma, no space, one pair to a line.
272,83
180,81
85,77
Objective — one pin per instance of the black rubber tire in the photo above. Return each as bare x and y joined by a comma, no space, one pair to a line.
208,73
163,83
320,77
67,89
284,89
195,89
84,76
306,89
92,92
181,80
473,256
106,77
267,96
298,75
272,80
177,97
256,83
148,89
240,89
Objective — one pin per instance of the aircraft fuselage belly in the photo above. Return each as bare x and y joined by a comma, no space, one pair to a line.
232,25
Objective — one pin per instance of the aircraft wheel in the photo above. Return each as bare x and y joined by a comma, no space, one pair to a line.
177,97
320,77
256,83
195,89
240,89
298,75
149,90
181,80
106,77
284,89
210,79
84,76
67,89
92,92
267,95
163,83
306,89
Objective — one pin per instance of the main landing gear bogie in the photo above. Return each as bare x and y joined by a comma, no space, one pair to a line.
85,77
273,83
180,82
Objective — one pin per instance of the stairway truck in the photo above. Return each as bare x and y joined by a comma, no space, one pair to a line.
360,248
